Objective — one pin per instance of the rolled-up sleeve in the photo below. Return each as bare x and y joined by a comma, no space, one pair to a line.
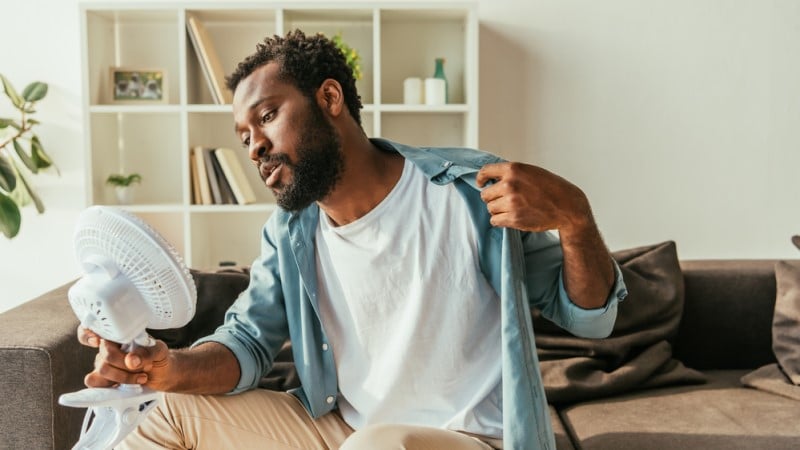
595,322
545,283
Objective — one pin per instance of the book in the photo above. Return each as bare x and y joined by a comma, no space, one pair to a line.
209,60
235,174
225,192
213,181
196,198
202,176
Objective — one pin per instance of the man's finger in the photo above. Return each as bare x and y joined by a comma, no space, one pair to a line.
498,206
93,379
492,192
121,376
88,337
491,172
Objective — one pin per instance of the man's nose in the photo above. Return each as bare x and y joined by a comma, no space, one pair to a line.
259,146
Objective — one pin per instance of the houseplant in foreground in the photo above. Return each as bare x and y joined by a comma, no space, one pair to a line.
20,147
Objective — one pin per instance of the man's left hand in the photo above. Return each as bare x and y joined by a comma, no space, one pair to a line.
530,198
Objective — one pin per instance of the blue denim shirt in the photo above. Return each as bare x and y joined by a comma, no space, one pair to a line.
524,269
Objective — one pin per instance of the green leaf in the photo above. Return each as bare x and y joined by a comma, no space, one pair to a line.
38,155
33,122
34,91
11,92
8,179
10,217
27,160
5,122
36,200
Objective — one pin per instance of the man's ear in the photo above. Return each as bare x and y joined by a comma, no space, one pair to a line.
330,97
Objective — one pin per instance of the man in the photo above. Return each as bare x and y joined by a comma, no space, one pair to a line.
402,276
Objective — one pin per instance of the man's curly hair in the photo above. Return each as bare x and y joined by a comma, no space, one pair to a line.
305,62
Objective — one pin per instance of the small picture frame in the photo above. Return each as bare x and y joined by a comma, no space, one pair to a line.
134,86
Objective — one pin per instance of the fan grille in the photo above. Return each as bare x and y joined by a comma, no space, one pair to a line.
144,257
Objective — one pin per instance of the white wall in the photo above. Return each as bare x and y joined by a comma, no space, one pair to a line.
678,118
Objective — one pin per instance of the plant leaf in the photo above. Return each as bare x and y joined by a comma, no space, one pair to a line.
5,122
36,200
38,155
34,91
10,217
27,160
8,179
11,92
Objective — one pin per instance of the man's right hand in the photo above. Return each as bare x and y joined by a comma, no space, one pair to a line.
147,366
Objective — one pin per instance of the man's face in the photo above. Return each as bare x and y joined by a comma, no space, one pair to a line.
295,148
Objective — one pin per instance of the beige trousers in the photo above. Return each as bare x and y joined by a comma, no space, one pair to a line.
262,419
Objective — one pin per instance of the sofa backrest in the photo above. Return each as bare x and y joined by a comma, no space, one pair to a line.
727,316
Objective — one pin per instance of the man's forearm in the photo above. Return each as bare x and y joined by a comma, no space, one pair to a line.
209,368
588,271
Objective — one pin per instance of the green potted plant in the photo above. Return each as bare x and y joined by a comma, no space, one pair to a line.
350,55
122,186
21,154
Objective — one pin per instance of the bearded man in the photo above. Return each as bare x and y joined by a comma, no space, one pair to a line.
402,276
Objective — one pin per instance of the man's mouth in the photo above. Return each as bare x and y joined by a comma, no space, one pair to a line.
270,173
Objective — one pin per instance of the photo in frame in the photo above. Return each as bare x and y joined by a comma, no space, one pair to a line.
131,85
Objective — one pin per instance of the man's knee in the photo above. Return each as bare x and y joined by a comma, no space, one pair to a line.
383,437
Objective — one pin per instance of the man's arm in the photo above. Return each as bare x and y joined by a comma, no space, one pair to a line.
530,198
209,368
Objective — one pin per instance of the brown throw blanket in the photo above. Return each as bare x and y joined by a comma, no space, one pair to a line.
638,354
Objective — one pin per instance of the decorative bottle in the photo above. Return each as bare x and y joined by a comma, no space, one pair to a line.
439,73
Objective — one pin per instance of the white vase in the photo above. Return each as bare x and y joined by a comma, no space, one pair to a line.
124,195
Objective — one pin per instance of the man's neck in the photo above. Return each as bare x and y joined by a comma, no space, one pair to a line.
369,174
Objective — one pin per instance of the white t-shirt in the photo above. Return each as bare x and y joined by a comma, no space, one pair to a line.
413,323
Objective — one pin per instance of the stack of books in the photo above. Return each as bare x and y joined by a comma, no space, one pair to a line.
218,178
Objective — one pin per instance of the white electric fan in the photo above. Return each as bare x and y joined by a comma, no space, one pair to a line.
134,279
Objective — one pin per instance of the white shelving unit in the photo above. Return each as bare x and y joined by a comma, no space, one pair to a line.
395,41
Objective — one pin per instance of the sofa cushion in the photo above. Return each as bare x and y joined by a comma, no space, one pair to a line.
216,291
740,291
638,354
563,441
718,415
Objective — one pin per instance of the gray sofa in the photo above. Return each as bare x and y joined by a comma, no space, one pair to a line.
723,332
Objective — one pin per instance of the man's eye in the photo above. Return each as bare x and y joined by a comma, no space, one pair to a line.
246,142
266,117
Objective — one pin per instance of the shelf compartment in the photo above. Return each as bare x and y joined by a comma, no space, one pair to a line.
356,27
137,143
215,130
234,35
429,130
410,43
230,237
170,225
127,38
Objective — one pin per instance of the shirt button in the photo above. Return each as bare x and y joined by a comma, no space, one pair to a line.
447,164
329,399
324,347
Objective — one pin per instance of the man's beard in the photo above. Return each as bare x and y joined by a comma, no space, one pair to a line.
319,164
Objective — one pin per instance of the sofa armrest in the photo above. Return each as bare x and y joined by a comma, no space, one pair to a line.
40,359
